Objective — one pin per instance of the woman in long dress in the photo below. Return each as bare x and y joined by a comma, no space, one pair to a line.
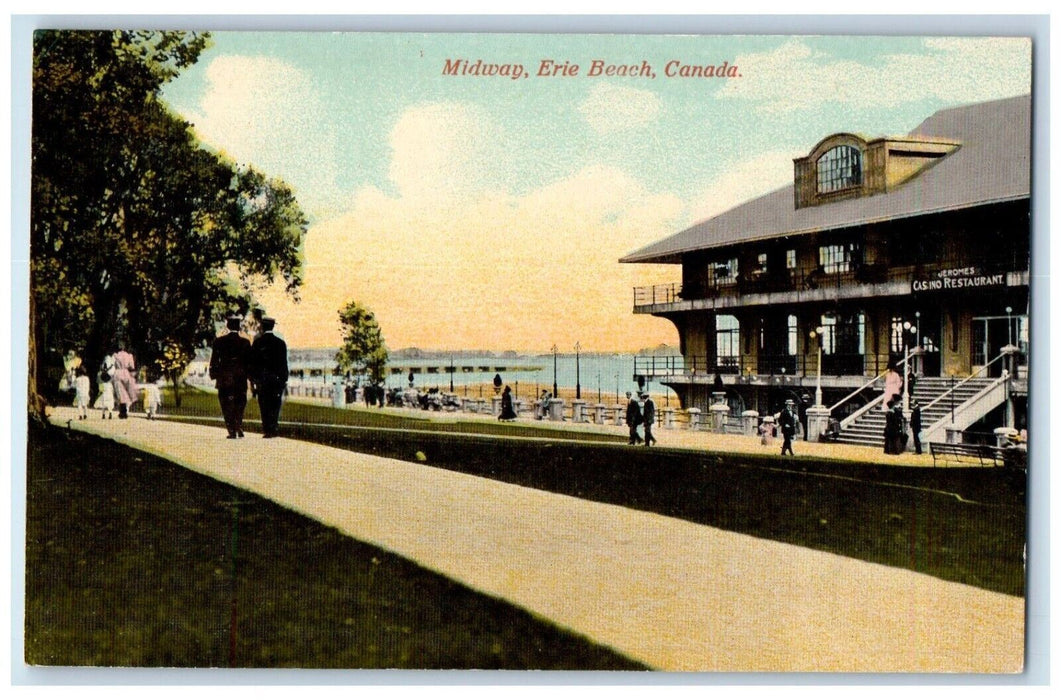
507,410
125,387
893,386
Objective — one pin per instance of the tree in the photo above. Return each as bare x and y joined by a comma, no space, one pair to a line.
363,350
137,231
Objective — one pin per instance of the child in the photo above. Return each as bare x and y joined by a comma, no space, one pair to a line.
106,398
152,399
82,387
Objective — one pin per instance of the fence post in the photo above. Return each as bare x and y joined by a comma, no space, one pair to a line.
750,422
719,414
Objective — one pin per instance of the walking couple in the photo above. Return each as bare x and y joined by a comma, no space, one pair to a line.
234,362
637,415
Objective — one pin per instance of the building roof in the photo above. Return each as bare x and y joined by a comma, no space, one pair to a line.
992,165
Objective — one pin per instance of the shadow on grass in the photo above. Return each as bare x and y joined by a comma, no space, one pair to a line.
134,561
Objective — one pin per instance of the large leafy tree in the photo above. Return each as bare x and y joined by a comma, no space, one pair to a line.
363,350
138,232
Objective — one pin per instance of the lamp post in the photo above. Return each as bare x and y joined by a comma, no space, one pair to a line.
578,376
555,350
451,375
1009,323
616,387
817,333
908,330
598,385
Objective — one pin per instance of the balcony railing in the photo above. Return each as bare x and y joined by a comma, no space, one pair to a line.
799,279
833,365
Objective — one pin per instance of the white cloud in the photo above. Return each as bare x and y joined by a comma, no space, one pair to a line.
611,108
256,109
794,76
489,269
443,150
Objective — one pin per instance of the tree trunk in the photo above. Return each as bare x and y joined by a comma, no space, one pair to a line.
174,378
35,403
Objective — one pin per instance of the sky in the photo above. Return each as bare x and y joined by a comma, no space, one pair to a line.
490,212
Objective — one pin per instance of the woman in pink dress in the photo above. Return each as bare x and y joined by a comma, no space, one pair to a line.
893,386
124,381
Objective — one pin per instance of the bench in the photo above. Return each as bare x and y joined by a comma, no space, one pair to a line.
985,455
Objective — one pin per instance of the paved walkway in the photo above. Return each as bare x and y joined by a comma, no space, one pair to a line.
672,594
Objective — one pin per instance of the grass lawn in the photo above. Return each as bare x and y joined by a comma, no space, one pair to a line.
195,403
133,561
964,525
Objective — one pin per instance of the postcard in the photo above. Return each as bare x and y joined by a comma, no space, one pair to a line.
661,352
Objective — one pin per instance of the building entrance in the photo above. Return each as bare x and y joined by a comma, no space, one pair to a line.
990,334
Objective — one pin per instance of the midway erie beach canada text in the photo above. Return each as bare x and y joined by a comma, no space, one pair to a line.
596,68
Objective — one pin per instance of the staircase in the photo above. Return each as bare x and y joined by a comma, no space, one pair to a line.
868,429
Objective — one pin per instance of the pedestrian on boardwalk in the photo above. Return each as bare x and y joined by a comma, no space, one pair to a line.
915,424
82,388
125,389
270,376
648,415
544,405
508,411
229,362
633,418
893,386
152,399
105,400
788,421
893,428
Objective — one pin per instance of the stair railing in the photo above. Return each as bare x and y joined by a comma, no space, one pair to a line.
974,375
869,406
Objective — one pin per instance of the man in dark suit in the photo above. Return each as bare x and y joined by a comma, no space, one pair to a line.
633,418
229,362
915,424
270,376
648,415
788,421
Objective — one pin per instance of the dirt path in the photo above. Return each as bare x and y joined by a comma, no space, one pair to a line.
672,594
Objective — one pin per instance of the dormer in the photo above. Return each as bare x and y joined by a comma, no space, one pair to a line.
843,166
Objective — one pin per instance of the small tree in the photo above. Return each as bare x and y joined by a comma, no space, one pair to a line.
363,350
172,362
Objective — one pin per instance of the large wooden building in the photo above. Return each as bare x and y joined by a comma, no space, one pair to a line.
881,249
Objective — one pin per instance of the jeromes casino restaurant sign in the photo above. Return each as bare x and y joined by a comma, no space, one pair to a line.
958,278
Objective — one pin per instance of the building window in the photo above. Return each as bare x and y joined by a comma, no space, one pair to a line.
727,341
790,259
793,335
828,336
726,271
839,168
761,265
900,336
836,258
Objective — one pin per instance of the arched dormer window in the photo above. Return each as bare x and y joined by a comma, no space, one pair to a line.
839,168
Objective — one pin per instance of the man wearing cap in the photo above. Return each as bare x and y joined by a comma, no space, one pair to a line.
648,415
633,418
788,421
270,376
229,362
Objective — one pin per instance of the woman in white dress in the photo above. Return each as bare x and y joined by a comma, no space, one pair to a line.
105,400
